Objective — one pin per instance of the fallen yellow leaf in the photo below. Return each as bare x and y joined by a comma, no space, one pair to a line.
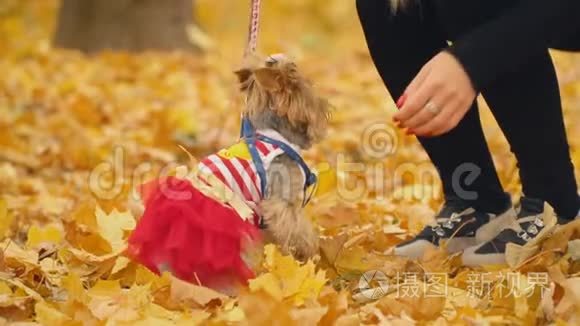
41,236
47,315
5,219
112,227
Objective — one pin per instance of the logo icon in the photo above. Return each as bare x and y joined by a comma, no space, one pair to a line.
373,284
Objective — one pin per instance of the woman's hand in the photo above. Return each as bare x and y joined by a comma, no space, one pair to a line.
437,99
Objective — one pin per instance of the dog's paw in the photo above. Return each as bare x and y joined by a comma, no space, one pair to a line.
302,242
307,244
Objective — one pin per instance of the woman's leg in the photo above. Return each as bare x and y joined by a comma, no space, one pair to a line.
527,106
400,45
569,43
526,103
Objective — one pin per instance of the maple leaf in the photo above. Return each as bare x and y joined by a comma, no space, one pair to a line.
108,302
182,291
288,279
73,286
14,255
47,235
50,316
112,227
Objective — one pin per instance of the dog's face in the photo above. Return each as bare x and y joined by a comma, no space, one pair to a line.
276,85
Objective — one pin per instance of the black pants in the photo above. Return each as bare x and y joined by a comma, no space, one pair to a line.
525,102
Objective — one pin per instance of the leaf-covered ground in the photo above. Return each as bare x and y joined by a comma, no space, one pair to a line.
77,133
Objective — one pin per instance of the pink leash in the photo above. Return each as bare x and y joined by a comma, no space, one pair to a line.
253,28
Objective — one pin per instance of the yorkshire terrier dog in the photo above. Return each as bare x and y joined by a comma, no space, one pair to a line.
281,101
203,237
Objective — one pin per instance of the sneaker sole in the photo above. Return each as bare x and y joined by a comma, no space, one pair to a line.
418,248
415,249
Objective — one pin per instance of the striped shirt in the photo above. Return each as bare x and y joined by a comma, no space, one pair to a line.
235,168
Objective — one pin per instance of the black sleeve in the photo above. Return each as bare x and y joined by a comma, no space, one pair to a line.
515,36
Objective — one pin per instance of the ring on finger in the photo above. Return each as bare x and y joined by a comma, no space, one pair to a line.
432,107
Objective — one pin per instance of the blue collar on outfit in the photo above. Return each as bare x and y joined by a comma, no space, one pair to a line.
248,133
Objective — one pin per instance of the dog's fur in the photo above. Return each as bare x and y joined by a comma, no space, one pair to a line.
279,98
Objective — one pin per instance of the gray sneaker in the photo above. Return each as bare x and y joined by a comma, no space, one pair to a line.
459,225
529,225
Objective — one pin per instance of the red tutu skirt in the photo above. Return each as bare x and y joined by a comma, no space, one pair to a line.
190,234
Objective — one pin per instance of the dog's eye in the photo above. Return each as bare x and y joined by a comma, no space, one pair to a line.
271,61
274,58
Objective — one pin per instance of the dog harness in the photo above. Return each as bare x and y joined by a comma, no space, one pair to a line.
242,167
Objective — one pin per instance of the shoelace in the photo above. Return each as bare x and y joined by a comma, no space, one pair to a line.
532,229
447,224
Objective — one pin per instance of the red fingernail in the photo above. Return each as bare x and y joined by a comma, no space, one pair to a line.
401,100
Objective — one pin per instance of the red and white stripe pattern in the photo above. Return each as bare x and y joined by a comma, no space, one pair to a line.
240,174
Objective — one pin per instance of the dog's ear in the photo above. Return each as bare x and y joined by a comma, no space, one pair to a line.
243,74
244,71
268,78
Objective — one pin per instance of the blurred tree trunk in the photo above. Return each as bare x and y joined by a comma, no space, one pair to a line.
133,25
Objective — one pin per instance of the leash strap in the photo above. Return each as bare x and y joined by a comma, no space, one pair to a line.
254,28
311,178
252,44
249,135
